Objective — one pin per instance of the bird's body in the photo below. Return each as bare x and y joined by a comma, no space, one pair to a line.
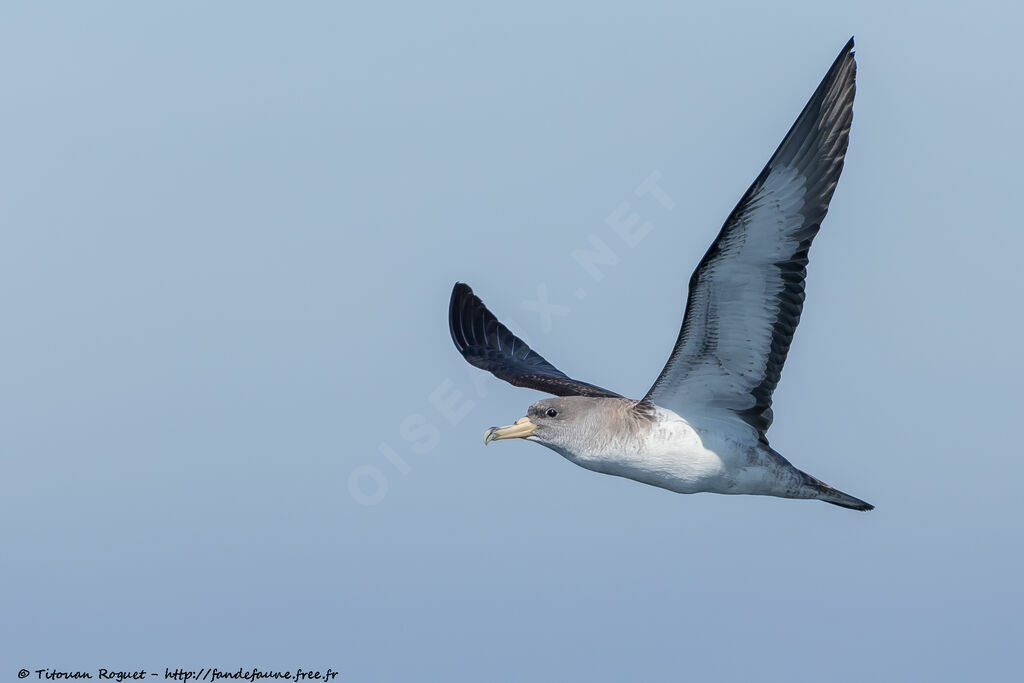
702,426
653,445
670,453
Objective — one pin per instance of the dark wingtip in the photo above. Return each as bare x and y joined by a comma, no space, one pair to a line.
460,293
844,54
487,344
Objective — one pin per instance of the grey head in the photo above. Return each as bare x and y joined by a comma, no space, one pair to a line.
574,424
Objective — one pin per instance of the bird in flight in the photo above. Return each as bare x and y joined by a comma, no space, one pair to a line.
702,426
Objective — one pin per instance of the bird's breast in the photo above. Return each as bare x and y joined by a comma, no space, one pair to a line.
669,453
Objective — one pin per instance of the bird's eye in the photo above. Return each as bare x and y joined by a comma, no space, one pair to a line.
551,412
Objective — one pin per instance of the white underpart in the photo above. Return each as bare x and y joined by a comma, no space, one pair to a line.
674,455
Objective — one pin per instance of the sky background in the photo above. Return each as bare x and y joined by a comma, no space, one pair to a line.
235,432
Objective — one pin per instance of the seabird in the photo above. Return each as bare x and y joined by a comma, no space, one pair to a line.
702,426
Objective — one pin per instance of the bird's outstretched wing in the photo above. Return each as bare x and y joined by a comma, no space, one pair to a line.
486,343
746,295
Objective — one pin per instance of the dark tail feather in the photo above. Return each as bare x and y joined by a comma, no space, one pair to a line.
835,496
845,500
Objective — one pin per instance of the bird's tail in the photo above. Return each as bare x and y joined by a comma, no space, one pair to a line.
835,496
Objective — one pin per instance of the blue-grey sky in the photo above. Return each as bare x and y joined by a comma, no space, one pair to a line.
235,432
